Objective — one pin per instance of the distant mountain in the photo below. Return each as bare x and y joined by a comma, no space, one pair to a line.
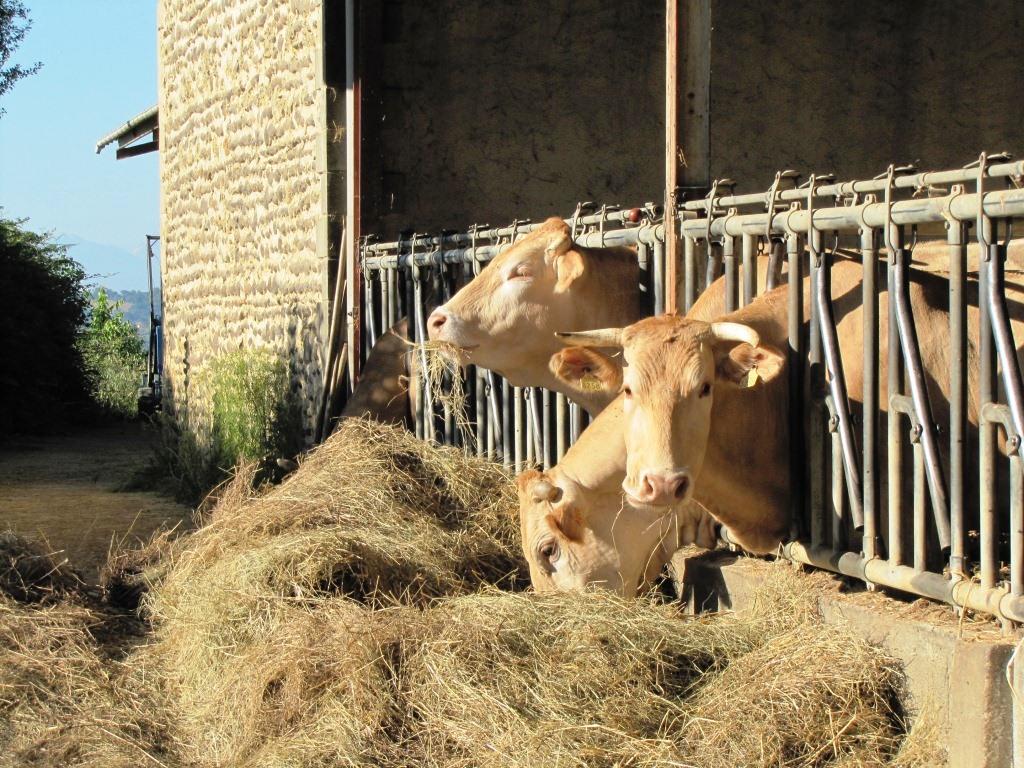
112,267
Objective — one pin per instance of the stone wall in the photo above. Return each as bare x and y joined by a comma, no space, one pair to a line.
241,134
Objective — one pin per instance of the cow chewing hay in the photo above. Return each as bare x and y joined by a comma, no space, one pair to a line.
439,367
348,617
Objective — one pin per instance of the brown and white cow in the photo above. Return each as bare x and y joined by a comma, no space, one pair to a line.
578,528
506,317
699,425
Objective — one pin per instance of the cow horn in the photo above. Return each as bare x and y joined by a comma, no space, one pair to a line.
603,337
735,332
544,491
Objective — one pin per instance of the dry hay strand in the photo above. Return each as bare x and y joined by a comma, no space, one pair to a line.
373,515
524,680
130,572
304,687
30,572
62,698
437,364
924,745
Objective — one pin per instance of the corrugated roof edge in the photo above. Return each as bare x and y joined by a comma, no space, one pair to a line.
113,136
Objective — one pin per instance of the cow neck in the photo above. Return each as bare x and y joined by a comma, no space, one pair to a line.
597,460
607,294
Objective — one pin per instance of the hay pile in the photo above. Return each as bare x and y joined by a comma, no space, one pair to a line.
347,618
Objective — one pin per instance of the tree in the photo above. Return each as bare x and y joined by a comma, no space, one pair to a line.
114,356
44,382
14,23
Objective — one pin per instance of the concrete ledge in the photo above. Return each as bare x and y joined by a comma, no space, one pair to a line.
958,672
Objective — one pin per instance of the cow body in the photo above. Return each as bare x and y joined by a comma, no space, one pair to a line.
698,426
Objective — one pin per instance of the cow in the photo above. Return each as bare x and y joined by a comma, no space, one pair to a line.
505,318
577,528
706,404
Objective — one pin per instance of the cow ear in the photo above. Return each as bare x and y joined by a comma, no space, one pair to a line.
587,369
747,366
568,521
567,262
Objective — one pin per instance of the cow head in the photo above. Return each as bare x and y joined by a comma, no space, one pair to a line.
674,370
576,537
505,318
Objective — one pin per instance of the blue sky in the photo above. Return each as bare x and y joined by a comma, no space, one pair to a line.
99,70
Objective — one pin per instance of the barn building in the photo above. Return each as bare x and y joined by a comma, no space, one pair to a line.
291,130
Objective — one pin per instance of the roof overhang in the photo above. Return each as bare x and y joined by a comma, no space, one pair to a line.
140,126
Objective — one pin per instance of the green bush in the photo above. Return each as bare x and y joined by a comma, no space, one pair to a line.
44,381
115,357
255,417
255,413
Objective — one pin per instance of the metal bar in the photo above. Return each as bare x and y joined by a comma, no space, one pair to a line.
507,435
713,270
775,259
494,433
549,447
919,391
818,422
517,427
561,425
988,555
850,188
837,385
960,207
894,389
689,272
731,276
996,602
871,412
749,268
797,450
1016,526
999,318
920,507
659,278
958,393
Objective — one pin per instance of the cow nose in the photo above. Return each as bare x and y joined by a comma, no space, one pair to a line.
662,488
436,322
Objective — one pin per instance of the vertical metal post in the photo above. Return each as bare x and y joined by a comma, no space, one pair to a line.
643,259
818,421
1016,526
480,396
659,278
549,448
749,268
920,509
561,425
507,436
956,237
989,555
895,434
517,425
869,255
689,272
797,452
575,422
731,281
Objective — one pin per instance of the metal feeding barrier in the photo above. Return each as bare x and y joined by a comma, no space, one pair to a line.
951,527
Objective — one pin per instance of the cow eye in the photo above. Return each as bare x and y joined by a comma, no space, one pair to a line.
521,272
549,551
627,390
706,389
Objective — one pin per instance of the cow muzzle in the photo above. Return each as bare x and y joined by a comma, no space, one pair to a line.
660,488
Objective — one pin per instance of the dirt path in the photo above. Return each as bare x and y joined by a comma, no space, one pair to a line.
61,489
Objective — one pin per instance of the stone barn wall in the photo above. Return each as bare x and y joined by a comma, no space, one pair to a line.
241,133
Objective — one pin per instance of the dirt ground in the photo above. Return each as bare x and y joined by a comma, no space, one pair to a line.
62,489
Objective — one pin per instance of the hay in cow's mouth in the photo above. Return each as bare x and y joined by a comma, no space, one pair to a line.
439,364
348,617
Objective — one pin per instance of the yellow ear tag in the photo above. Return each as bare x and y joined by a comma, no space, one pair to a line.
590,381
751,378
